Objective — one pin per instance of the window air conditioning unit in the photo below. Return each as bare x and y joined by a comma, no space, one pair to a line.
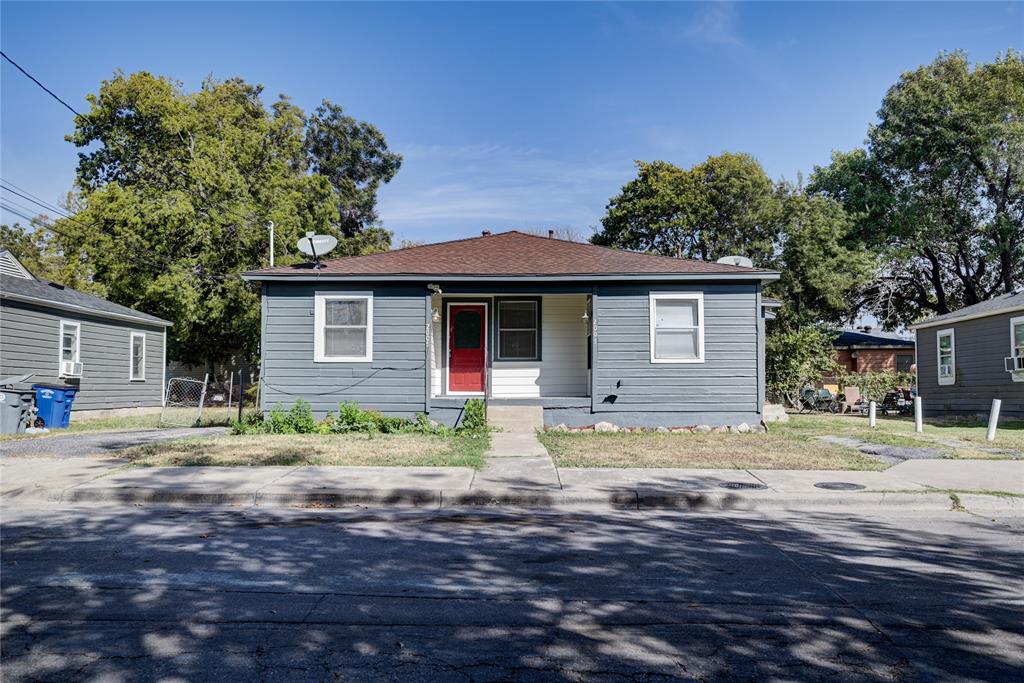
945,371
70,369
1014,363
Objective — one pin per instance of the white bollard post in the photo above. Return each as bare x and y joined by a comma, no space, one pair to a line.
871,414
993,420
918,427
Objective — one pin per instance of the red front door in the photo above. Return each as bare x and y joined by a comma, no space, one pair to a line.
466,341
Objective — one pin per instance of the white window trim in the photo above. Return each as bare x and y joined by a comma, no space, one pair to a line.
132,377
535,329
320,318
60,344
939,334
651,310
1019,320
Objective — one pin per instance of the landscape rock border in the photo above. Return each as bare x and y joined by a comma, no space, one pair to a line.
611,428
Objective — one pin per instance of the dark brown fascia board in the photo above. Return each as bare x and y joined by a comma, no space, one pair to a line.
760,276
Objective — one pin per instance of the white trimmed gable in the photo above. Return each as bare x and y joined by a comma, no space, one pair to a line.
10,266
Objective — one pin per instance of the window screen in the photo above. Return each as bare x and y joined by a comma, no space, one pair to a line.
676,329
517,330
345,329
138,359
69,343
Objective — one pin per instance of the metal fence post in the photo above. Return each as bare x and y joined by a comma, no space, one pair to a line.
918,425
241,393
202,400
872,411
993,420
231,387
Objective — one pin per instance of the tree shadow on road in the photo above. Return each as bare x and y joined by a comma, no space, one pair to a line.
139,593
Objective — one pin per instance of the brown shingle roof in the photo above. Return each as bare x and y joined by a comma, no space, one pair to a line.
509,253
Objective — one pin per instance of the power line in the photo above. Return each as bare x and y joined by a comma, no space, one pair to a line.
37,202
35,199
34,80
164,260
154,258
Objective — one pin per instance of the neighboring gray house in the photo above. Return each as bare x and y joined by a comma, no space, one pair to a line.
113,354
971,356
589,333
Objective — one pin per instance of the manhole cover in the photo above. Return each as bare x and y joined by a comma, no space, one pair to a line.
838,486
741,485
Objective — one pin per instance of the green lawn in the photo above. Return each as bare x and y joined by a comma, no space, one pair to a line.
400,450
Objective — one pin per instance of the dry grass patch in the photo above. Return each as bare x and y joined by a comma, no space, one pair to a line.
705,451
960,439
402,450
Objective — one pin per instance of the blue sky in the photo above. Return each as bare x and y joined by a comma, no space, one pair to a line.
508,115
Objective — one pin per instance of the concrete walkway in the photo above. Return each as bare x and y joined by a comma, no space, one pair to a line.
514,480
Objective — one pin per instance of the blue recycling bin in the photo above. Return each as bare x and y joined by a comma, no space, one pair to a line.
53,403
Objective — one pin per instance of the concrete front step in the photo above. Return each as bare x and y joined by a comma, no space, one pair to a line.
528,419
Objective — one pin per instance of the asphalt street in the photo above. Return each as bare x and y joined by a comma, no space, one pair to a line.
149,593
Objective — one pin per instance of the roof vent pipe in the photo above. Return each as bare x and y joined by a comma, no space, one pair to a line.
486,233
551,234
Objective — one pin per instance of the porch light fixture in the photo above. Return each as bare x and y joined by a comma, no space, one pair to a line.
585,316
435,315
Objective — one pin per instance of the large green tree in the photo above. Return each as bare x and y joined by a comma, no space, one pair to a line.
729,205
725,205
176,190
822,275
938,191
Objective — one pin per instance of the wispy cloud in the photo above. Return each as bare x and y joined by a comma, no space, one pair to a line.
446,190
716,23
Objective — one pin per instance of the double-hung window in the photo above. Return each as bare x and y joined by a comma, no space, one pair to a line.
343,327
137,357
677,327
946,344
1017,349
70,347
518,323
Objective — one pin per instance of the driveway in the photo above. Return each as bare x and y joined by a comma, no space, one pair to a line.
77,444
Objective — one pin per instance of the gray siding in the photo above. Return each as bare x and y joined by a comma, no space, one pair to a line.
30,342
393,383
980,346
726,383
628,388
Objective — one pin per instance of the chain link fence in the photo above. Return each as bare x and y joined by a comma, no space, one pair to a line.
183,402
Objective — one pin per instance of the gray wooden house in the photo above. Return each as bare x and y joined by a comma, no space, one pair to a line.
587,333
971,356
113,354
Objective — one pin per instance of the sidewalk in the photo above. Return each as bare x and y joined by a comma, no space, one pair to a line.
512,480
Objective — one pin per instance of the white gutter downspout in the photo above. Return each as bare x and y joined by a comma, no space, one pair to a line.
163,375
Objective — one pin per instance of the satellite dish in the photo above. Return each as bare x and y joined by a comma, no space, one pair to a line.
316,245
737,261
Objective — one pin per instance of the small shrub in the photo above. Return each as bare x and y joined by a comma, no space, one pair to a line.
474,416
351,418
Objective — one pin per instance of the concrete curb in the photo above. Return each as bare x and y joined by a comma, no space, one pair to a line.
622,499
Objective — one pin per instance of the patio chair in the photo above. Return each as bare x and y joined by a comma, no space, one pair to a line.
827,401
851,400
808,400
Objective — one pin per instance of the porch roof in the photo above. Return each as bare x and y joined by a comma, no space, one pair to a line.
511,255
